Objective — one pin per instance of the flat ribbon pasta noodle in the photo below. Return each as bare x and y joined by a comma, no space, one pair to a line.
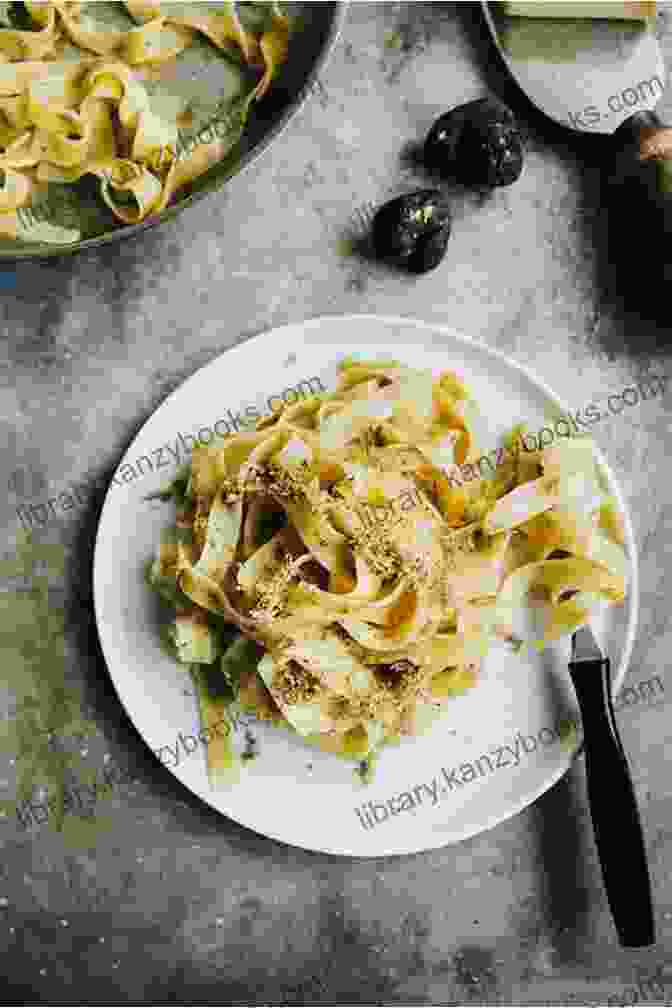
413,617
147,134
202,590
451,650
15,77
221,538
9,225
143,10
482,619
610,520
556,529
220,27
475,570
522,504
13,124
213,464
206,593
70,146
130,190
31,45
15,188
164,567
375,587
65,143
334,555
49,96
154,142
101,41
156,41
332,662
572,463
261,565
274,45
302,414
41,11
569,614
363,601
323,541
555,578
185,170
93,153
364,588
341,426
9,133
448,447
451,682
609,554
306,715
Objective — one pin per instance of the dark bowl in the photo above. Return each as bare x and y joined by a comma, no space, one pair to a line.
309,50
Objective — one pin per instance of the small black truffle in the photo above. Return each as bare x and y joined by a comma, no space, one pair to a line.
412,231
478,143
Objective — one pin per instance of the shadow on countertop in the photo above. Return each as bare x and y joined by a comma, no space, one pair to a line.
567,886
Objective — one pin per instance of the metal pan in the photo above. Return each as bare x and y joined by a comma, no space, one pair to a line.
319,27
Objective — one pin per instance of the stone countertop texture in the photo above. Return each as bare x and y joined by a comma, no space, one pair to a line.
175,904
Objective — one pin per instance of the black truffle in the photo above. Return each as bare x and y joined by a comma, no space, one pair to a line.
478,143
412,231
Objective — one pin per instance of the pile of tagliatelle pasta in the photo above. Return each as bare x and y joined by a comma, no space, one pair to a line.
65,115
326,574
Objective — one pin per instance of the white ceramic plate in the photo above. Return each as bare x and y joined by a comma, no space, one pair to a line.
454,782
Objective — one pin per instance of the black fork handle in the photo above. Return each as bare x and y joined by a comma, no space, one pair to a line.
613,807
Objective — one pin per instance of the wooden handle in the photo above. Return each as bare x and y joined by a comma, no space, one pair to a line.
644,150
632,219
655,143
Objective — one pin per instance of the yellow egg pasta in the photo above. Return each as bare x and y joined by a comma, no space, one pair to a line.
74,101
326,536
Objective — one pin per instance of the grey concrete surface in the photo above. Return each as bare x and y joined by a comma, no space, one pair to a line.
175,904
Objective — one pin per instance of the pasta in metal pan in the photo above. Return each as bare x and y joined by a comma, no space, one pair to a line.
73,102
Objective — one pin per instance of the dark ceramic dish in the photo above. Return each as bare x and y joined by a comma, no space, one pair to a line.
310,46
